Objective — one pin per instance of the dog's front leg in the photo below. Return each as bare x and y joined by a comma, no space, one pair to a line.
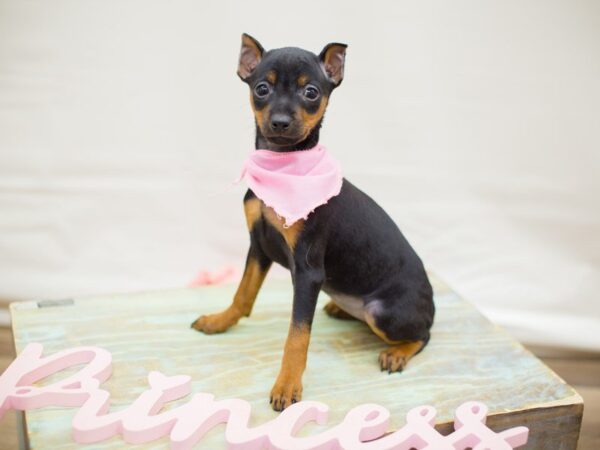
288,387
257,266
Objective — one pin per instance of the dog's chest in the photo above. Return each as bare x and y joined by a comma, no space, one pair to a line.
277,240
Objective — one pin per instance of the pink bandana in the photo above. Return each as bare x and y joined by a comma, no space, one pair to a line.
293,183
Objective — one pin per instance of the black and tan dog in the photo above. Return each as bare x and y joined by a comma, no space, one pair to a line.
349,248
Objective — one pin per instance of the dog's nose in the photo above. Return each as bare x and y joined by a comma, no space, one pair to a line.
280,122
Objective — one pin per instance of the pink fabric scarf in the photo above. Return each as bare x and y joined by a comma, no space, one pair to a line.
293,183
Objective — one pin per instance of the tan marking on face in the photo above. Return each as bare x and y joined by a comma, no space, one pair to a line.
271,76
302,80
252,209
259,114
309,121
290,234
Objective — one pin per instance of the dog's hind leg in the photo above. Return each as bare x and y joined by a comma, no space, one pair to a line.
403,324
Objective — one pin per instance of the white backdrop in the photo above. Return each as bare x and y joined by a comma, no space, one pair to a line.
474,124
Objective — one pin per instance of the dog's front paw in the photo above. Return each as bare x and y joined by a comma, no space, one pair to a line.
214,323
285,392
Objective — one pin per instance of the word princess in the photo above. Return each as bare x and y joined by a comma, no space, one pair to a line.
363,427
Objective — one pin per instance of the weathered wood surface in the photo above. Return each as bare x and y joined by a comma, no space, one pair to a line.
467,358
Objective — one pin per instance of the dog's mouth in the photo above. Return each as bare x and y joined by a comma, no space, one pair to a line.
292,135
282,139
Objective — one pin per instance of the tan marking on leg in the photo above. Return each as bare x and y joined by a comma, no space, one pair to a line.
290,234
380,333
243,301
394,359
288,387
247,291
252,209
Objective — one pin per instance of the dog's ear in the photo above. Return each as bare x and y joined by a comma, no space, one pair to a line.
250,55
332,59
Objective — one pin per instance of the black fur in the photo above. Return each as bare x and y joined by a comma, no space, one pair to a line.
350,245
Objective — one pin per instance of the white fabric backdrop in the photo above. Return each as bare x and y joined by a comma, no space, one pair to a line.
474,124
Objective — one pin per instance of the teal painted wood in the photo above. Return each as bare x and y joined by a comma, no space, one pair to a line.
467,358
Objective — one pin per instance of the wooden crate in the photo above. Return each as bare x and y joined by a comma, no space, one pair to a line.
468,358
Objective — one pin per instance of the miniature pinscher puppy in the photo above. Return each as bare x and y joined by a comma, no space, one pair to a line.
349,248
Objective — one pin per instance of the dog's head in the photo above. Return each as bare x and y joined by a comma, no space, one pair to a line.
289,88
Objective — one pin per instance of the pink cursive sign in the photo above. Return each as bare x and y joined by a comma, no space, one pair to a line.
363,427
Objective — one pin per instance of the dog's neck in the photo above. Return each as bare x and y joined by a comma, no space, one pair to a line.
310,142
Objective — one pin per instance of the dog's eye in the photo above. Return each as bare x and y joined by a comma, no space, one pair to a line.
262,89
311,92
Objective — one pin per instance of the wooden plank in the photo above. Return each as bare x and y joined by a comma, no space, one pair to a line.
590,426
468,358
8,425
7,348
555,427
